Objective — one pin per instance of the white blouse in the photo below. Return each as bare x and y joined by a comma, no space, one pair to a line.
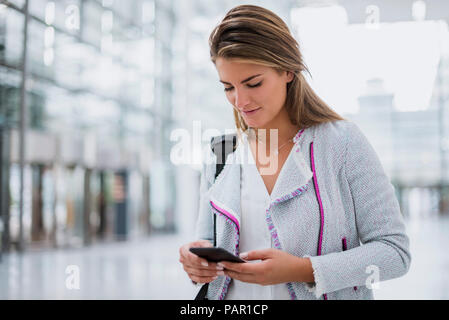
254,233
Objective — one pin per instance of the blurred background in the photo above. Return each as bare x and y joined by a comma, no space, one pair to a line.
92,93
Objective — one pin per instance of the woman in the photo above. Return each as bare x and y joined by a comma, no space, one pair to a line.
314,213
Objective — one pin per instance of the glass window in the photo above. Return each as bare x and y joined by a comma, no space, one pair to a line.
11,36
92,23
63,14
68,62
40,38
90,76
38,8
18,3
10,82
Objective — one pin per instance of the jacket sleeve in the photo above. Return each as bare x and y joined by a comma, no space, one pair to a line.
204,225
385,246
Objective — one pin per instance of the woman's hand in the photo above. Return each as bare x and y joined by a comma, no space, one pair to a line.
276,267
198,269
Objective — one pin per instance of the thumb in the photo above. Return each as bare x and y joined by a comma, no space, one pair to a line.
256,254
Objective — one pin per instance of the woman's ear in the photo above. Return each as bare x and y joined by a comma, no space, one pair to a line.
290,76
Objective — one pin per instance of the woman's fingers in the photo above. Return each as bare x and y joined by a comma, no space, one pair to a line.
203,272
191,258
200,264
197,261
198,269
213,268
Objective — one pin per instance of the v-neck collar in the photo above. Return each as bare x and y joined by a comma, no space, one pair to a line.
253,166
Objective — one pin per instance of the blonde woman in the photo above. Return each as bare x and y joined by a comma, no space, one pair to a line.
312,210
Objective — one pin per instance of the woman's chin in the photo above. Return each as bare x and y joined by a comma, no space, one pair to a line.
255,124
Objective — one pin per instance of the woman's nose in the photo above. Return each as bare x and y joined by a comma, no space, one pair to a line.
241,99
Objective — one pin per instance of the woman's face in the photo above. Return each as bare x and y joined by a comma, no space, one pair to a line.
257,92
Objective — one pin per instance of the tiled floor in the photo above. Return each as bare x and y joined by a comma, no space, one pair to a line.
126,270
150,270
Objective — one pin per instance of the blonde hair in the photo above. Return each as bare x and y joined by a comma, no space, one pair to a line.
256,35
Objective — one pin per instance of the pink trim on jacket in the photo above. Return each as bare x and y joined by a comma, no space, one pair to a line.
317,191
226,213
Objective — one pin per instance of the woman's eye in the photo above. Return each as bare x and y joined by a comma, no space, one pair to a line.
255,85
249,85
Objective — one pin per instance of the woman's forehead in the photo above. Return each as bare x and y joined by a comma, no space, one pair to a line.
239,68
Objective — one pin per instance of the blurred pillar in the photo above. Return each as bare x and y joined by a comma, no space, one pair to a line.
164,33
87,207
144,219
101,232
37,223
120,196
444,200
4,189
23,117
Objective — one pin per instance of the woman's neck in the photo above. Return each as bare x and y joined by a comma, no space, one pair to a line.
274,138
282,130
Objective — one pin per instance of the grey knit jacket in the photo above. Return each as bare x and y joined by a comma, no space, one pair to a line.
332,203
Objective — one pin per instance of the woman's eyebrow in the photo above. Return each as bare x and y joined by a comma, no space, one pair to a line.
246,80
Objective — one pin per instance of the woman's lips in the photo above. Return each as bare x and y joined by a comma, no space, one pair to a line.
250,112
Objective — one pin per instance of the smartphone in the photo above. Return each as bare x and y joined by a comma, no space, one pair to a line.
215,254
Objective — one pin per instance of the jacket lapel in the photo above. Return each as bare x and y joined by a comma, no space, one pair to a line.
293,178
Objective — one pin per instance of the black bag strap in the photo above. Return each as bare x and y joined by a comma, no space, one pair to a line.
221,146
